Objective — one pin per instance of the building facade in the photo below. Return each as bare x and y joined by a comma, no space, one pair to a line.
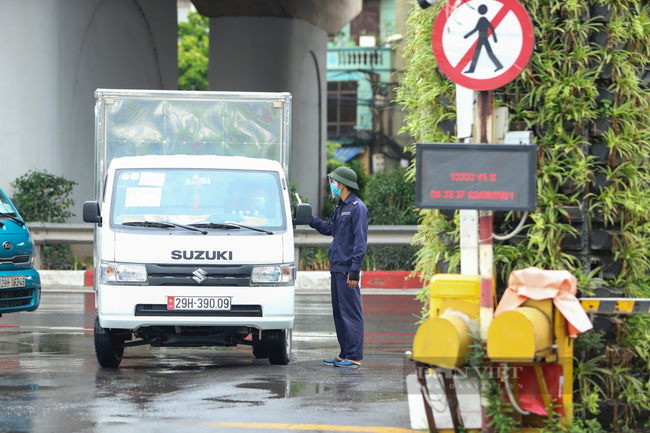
364,66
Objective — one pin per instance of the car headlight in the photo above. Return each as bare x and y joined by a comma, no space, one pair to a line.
274,274
122,273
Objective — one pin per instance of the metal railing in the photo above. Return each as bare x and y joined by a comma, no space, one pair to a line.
354,58
51,233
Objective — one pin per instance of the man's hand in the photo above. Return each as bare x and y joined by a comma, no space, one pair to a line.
352,283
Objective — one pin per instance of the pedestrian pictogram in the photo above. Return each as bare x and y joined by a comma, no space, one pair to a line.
482,27
482,44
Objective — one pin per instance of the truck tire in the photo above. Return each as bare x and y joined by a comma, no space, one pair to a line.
107,350
279,345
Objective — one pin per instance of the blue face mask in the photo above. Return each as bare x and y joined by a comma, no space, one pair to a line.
335,190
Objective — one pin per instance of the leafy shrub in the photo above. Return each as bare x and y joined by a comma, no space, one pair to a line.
390,258
41,196
377,259
390,198
58,257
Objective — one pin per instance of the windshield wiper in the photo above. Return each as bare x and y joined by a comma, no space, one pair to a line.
214,226
18,220
162,225
229,226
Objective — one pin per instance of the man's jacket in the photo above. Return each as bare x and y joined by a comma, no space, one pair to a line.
349,226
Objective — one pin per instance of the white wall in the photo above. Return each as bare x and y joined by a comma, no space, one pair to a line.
279,55
55,53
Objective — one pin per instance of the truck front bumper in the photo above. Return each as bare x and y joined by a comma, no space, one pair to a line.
132,307
26,298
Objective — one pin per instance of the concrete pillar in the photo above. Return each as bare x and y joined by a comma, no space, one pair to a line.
280,55
55,54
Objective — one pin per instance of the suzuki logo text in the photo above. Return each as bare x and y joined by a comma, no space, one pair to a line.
201,255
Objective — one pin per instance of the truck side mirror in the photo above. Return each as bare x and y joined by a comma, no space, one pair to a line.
91,213
303,214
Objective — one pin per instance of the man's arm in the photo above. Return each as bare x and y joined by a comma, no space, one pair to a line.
494,33
472,32
360,233
323,227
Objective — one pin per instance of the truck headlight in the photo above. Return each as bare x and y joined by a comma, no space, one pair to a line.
122,273
276,274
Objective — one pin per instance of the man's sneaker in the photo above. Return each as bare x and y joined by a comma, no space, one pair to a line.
346,364
330,361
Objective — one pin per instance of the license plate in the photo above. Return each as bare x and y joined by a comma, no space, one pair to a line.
11,282
198,303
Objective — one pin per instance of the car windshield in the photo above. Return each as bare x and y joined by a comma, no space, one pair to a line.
186,196
6,207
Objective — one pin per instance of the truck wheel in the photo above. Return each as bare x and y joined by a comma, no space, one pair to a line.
107,350
279,344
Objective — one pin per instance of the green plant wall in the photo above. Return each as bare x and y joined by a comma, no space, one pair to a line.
581,100
585,96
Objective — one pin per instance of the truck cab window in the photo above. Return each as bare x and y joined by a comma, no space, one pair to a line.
186,196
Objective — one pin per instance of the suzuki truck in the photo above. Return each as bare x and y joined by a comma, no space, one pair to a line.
194,232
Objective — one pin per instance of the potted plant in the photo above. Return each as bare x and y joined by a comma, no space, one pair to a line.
602,239
601,12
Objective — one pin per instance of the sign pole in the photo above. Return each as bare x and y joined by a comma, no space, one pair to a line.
465,107
485,248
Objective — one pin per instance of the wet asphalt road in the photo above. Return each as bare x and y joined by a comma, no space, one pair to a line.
51,382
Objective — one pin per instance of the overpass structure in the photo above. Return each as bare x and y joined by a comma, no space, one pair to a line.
56,53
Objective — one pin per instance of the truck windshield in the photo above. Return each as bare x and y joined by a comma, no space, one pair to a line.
186,196
6,207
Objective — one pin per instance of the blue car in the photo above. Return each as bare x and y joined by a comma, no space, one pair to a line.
20,284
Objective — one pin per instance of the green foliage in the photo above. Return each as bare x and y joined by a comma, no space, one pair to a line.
82,265
58,257
41,196
555,424
390,259
558,96
498,410
591,340
377,259
193,49
390,198
294,201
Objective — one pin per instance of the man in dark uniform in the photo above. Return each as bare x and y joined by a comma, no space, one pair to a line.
349,226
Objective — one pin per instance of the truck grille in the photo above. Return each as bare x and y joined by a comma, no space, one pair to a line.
183,275
15,259
235,311
16,298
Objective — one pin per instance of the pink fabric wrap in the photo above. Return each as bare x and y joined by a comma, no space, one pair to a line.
538,284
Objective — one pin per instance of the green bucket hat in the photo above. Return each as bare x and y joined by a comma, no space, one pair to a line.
346,176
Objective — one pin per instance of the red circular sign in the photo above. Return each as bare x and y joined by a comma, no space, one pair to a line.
467,32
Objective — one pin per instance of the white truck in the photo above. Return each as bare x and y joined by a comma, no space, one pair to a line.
194,234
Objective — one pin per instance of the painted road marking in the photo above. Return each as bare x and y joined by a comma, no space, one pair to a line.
308,427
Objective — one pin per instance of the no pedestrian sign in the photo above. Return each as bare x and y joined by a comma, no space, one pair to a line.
482,44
